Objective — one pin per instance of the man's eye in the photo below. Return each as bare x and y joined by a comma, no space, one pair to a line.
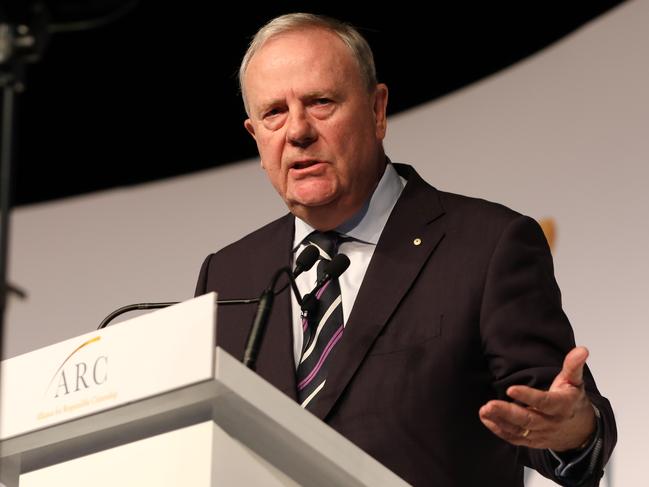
272,112
322,101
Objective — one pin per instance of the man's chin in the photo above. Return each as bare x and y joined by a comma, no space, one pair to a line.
306,209
308,206
311,199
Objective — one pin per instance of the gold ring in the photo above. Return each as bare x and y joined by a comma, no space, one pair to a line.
526,433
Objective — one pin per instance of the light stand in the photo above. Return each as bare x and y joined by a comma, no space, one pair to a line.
23,36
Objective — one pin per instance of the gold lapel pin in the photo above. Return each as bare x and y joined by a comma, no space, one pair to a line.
417,241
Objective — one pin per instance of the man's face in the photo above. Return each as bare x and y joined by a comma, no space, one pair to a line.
318,130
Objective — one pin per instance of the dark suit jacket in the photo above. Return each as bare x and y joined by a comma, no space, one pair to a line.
436,331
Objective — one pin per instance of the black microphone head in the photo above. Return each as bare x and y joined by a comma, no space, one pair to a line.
337,266
306,259
309,303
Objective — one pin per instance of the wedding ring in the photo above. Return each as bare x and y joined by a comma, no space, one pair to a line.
525,433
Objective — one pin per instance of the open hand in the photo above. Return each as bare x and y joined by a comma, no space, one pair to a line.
561,418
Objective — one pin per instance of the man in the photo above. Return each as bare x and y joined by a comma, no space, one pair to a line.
449,310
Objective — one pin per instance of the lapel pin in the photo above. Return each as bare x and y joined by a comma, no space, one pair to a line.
417,241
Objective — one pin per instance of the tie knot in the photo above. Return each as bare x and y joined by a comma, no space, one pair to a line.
325,241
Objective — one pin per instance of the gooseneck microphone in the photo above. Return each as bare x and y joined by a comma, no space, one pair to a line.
303,263
333,270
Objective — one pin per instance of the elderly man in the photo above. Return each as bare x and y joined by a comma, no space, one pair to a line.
443,351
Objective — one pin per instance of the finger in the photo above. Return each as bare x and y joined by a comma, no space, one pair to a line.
573,366
503,425
512,417
517,438
528,438
549,403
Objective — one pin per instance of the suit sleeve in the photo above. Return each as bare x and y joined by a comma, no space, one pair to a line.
526,334
201,285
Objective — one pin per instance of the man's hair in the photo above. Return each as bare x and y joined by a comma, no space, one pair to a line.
356,43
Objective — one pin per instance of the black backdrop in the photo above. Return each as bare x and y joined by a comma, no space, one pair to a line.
154,93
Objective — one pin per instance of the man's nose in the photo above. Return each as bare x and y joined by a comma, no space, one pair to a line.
300,131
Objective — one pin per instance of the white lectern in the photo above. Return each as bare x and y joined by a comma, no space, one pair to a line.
151,401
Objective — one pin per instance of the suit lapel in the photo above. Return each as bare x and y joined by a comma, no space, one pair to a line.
275,362
411,234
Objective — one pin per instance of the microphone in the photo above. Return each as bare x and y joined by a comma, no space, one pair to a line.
333,270
303,263
306,259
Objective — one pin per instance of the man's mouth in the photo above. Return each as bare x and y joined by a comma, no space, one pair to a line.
304,164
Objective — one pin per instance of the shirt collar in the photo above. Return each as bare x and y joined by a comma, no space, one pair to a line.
368,223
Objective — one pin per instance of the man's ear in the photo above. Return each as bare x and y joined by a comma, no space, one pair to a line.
380,110
250,128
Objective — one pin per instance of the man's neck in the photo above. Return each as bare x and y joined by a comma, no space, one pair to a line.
328,217
368,222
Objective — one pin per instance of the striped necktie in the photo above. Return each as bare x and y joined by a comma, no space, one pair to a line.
322,327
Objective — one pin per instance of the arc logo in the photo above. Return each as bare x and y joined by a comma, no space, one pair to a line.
76,375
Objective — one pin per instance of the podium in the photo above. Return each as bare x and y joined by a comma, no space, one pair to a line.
151,401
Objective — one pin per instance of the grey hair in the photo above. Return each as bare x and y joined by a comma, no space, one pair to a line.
356,43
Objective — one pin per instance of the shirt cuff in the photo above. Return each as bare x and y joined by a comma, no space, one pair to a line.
576,466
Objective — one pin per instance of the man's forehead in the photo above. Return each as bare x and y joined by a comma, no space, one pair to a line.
303,35
315,44
304,64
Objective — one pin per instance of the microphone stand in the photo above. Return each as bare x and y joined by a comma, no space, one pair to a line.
222,302
258,329
303,263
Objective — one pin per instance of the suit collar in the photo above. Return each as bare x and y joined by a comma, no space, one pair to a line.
413,231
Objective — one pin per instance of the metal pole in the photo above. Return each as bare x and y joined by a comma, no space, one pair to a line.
5,193
6,139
